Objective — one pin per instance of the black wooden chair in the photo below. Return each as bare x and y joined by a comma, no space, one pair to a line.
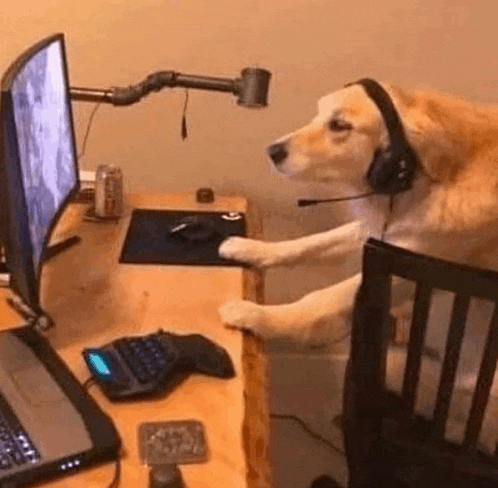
387,443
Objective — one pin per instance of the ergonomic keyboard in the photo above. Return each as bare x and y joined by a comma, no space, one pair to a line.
154,364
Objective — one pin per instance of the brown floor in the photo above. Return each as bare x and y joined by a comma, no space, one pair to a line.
309,387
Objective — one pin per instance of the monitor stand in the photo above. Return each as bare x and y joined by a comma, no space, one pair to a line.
43,321
48,253
3,264
54,249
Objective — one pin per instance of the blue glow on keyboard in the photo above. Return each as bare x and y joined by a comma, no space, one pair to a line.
99,364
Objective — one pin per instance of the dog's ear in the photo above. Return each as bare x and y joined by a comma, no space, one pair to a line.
441,153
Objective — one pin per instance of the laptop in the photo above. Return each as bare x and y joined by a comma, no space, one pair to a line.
49,426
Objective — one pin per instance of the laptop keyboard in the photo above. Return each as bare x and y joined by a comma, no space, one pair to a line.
16,448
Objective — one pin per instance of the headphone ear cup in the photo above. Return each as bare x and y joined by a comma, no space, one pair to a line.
392,170
391,173
379,172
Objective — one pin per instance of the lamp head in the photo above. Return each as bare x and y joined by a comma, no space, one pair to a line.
252,87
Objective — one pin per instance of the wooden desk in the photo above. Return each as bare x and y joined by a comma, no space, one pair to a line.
93,299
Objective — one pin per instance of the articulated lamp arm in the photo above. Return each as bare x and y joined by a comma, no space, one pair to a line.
251,88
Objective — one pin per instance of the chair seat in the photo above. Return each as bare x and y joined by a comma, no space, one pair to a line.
407,455
416,464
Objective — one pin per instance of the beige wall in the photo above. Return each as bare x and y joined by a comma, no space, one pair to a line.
311,46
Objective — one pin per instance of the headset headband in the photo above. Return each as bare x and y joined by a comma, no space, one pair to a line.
388,111
393,168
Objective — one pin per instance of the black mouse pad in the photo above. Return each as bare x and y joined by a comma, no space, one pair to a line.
148,240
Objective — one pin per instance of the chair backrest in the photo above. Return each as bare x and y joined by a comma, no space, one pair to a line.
370,336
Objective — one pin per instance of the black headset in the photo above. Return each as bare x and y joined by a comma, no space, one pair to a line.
393,168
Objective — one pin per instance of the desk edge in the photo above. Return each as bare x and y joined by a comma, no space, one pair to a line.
256,424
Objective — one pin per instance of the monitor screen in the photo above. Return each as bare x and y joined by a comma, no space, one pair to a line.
38,158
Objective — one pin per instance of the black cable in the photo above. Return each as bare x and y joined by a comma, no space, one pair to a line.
309,431
386,223
117,473
306,202
184,117
88,129
89,382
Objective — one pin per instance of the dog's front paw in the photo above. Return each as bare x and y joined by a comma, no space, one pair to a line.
242,314
250,251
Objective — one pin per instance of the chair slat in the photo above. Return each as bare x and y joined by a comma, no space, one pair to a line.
484,383
458,278
370,343
416,343
448,372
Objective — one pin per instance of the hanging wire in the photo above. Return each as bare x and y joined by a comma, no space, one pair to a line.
94,111
184,117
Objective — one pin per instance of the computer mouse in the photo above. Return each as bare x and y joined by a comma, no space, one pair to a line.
194,229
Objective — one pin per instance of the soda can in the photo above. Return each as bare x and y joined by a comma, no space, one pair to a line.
108,192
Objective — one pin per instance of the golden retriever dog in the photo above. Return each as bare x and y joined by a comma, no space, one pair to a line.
451,211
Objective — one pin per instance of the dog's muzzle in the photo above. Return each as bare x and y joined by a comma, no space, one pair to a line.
277,152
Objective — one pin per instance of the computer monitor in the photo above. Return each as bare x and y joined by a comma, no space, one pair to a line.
38,161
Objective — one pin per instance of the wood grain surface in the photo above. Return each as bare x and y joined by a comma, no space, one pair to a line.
93,299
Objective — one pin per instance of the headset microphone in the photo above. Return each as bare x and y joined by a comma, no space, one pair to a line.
306,203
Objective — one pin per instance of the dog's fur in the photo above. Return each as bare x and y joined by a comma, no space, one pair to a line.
451,212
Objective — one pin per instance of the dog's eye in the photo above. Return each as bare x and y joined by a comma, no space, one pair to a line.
338,125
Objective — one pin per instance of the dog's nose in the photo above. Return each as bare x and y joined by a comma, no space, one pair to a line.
277,152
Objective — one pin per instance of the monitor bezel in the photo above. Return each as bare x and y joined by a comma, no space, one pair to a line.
34,275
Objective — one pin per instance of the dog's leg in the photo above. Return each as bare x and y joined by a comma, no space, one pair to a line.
335,244
323,316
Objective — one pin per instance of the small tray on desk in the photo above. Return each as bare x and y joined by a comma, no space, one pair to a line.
148,241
